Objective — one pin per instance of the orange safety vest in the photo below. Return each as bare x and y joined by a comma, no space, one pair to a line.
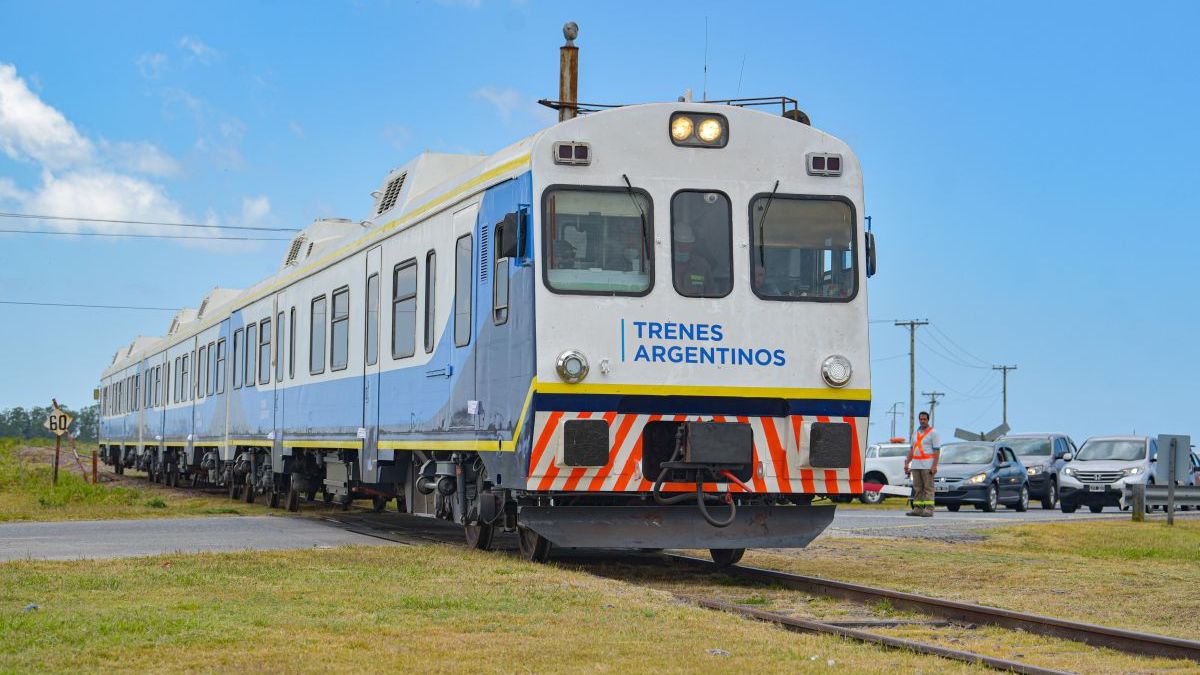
919,447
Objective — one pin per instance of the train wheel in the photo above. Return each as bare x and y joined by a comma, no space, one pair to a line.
275,498
480,536
534,547
724,557
379,503
292,503
249,491
233,488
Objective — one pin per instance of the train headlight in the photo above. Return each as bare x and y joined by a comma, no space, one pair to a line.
572,366
681,128
836,370
710,130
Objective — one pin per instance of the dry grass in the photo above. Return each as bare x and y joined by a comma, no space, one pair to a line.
430,608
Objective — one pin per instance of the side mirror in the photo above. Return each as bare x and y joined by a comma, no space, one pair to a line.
1067,457
506,237
871,261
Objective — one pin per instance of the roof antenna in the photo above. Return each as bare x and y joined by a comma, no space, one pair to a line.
740,71
705,94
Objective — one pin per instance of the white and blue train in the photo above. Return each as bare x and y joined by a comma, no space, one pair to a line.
642,327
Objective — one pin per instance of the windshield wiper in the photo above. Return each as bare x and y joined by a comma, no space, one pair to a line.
633,198
762,245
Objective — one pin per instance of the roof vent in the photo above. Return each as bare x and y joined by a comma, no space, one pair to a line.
174,326
391,194
203,306
294,252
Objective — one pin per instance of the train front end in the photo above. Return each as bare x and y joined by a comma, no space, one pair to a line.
703,365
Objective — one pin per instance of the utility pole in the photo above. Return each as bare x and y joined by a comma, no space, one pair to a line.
1004,375
912,368
933,404
894,413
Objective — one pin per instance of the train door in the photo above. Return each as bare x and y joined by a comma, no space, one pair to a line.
463,401
371,360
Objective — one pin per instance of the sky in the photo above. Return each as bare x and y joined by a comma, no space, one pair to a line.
1030,167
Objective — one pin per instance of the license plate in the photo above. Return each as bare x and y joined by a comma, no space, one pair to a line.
941,488
1096,488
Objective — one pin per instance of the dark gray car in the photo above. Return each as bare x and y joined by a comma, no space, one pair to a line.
982,474
1043,455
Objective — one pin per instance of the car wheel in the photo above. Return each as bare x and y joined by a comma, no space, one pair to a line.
1095,508
953,508
1068,508
869,497
1023,503
993,497
1048,502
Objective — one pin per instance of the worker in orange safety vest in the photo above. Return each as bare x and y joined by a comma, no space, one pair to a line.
921,463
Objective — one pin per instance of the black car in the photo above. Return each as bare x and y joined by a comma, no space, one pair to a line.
1043,455
982,474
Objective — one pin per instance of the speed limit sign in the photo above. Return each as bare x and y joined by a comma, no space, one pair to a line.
58,422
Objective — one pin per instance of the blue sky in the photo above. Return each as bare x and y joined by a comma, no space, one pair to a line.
1030,167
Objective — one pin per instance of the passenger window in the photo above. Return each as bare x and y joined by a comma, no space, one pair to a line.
598,241
279,353
702,244
316,337
430,296
264,352
339,356
292,345
372,327
251,347
237,354
404,309
201,361
221,366
186,381
463,285
800,247
210,383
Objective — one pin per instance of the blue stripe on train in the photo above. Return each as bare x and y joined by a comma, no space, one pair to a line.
701,405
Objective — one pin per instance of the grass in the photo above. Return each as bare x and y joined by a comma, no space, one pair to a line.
432,608
26,492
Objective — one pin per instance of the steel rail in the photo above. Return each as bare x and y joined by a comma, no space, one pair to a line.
810,626
1132,642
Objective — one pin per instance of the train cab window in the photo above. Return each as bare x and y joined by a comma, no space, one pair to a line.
464,278
251,348
264,352
237,354
802,249
292,345
339,348
430,296
404,309
316,337
702,244
598,241
220,366
372,323
279,353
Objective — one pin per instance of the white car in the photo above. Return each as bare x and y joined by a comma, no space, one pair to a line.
1097,475
885,466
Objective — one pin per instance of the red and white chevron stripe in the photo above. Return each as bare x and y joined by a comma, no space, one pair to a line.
780,456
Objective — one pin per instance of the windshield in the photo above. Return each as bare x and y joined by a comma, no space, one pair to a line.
893,450
802,249
598,241
1028,447
966,453
1119,450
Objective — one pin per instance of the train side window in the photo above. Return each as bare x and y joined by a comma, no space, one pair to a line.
237,355
430,297
702,244
186,389
339,349
221,366
201,369
372,322
404,309
463,278
264,352
175,389
316,337
799,248
292,346
210,376
251,348
279,353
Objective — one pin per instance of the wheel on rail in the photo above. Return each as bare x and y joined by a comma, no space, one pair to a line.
724,557
534,547
233,488
480,536
292,502
953,508
274,497
250,496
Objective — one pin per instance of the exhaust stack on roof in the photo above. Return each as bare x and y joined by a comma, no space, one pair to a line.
568,73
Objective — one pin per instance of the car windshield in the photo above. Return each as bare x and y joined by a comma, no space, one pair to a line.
1119,450
598,242
966,453
1028,447
893,450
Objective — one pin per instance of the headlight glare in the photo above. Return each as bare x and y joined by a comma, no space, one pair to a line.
709,130
572,366
681,128
1132,471
977,478
1070,470
1035,470
836,370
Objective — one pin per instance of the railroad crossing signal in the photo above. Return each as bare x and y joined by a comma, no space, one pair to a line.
58,422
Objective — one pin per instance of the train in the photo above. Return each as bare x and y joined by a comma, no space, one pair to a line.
641,327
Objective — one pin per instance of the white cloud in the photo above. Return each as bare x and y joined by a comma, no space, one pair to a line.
98,193
141,157
9,192
152,65
509,101
255,209
30,129
198,50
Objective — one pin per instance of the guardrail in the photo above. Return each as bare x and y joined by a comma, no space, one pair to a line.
1140,496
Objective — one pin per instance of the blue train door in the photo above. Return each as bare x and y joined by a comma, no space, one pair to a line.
371,360
464,405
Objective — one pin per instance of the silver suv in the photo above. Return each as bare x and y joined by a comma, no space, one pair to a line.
1097,476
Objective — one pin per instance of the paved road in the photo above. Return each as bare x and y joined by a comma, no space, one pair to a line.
963,525
70,540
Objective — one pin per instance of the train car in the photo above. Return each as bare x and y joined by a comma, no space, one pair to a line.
641,327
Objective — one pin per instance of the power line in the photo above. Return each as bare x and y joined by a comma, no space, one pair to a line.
960,347
947,355
140,236
35,216
86,306
954,389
